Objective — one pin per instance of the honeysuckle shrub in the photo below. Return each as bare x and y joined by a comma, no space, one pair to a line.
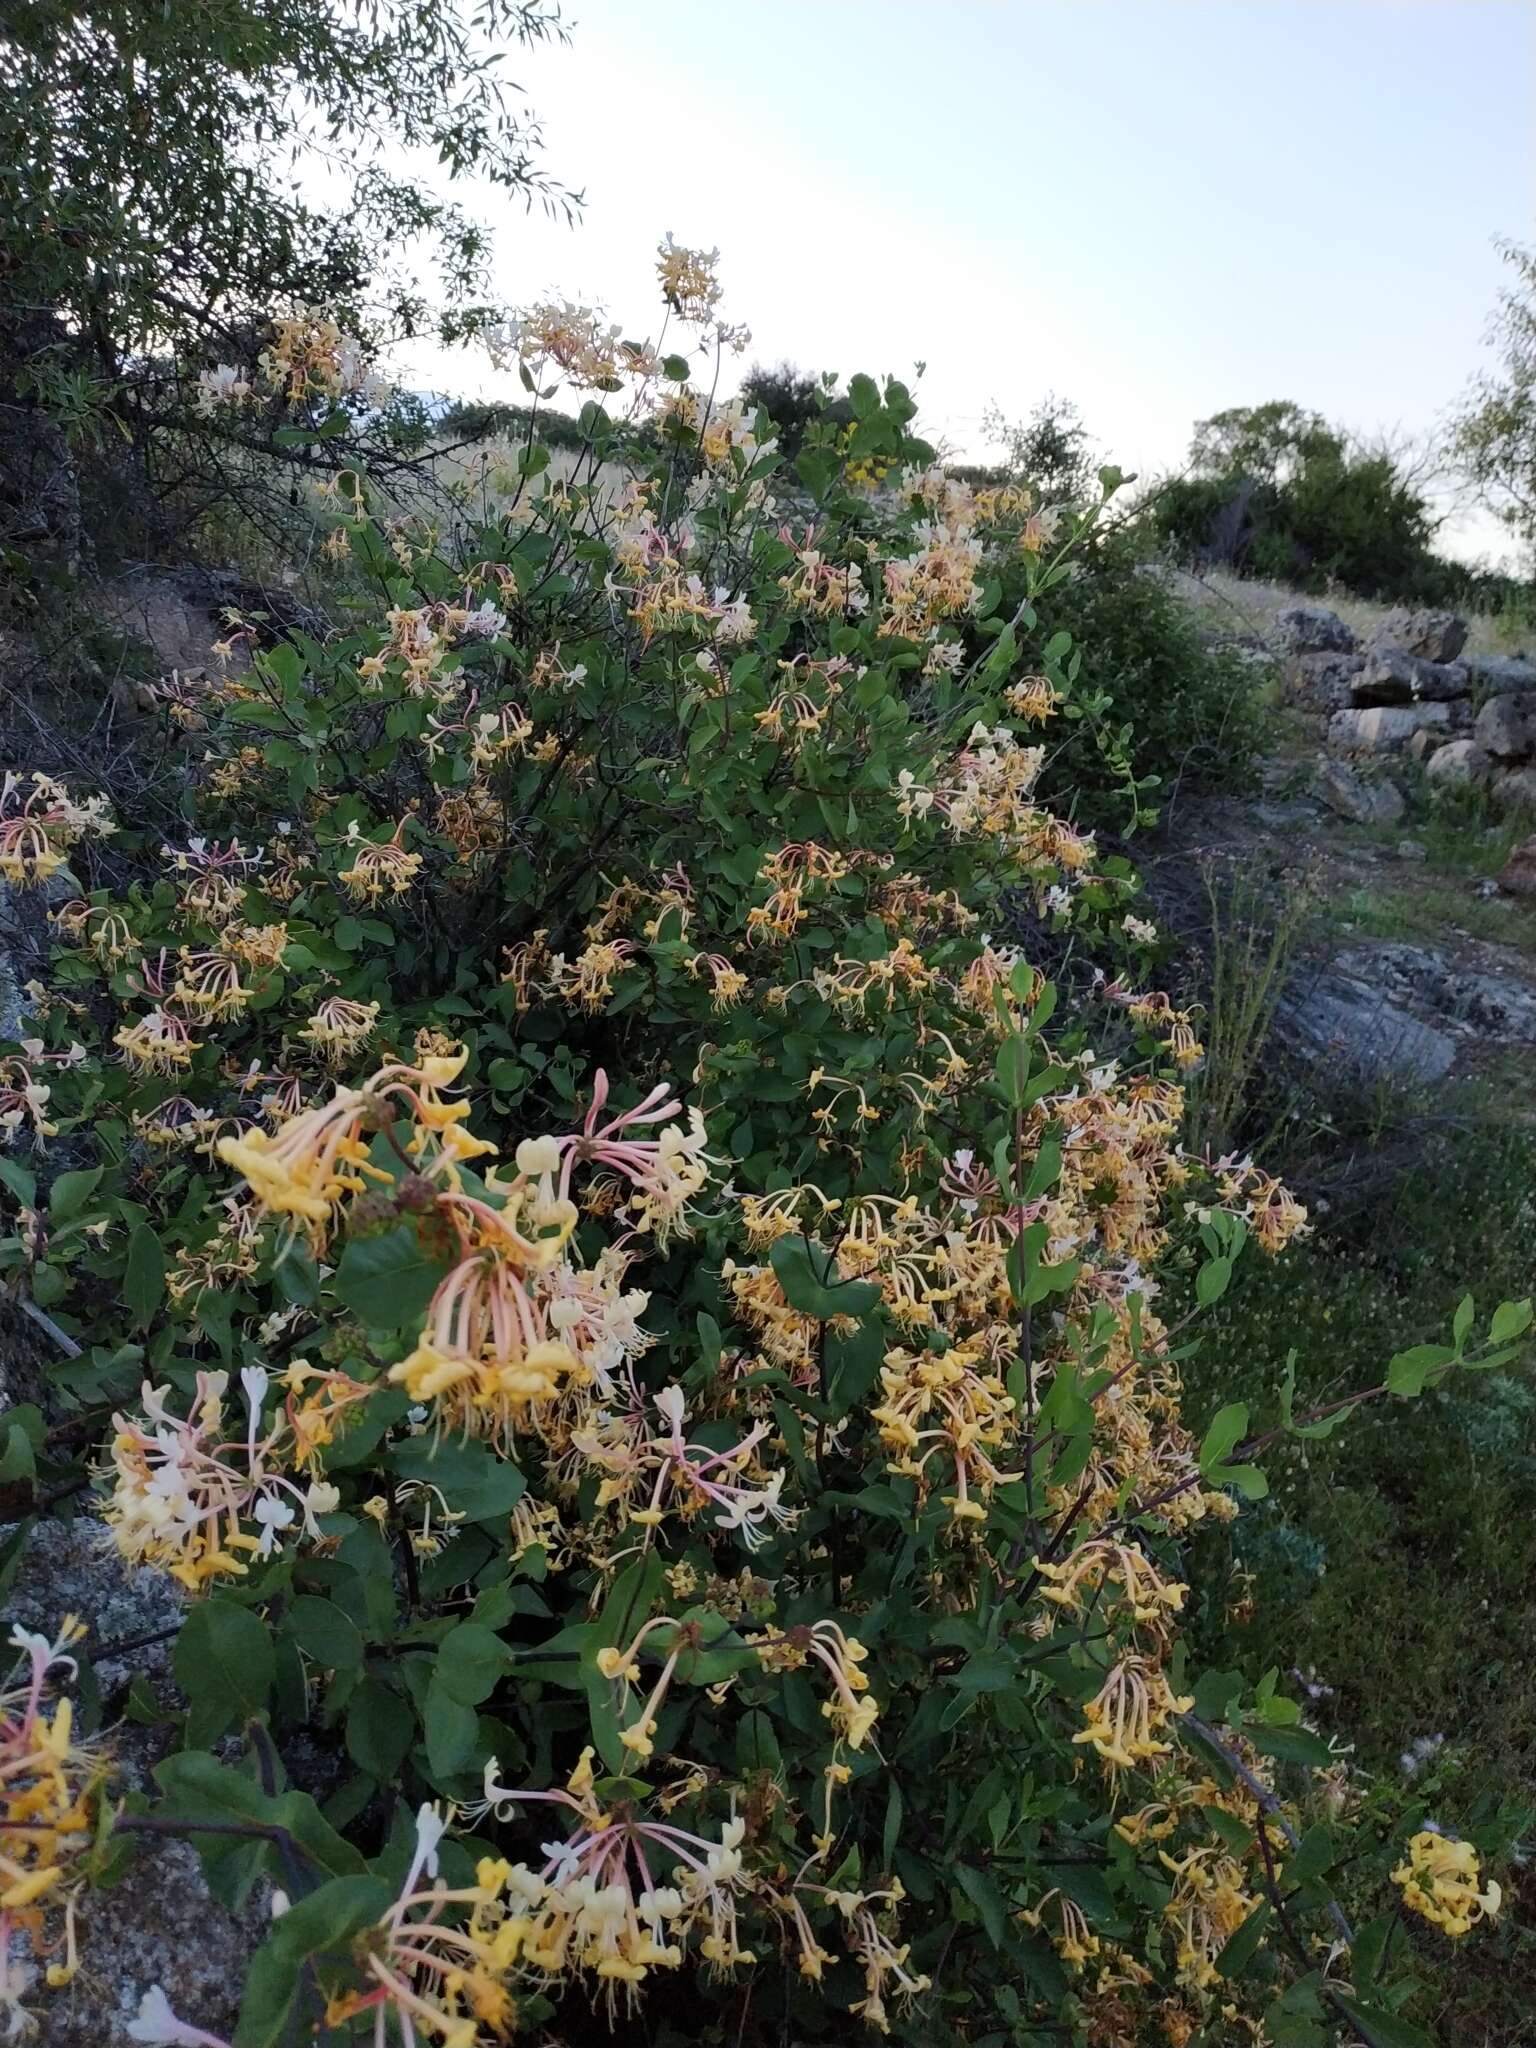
577,1229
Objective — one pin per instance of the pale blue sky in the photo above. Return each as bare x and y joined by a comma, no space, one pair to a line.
1154,207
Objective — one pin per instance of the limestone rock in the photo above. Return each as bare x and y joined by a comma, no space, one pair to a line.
1344,1018
1312,629
1519,875
1344,790
1321,682
1500,674
160,1924
1386,675
1434,636
1385,1010
1461,763
1506,728
1383,729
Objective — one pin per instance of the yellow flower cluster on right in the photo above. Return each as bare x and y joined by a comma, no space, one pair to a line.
1439,1877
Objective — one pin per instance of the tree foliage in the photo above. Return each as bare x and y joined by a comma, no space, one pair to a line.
173,179
1494,436
1051,451
1276,491
791,397
169,172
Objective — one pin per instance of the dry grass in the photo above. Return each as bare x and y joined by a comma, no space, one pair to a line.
1250,607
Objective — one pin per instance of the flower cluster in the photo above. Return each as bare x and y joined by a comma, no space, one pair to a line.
49,1785
204,1503
39,823
1439,1879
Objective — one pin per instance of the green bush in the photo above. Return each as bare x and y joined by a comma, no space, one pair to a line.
575,1234
1276,492
1160,703
1396,1564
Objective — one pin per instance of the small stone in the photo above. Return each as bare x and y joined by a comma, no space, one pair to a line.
1411,849
1506,728
1383,729
1462,764
1519,875
1345,790
1388,675
1433,635
1312,629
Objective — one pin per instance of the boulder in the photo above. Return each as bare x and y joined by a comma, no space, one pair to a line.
1345,791
1461,764
1321,682
1515,788
1387,675
1500,674
1435,636
1343,1018
1383,729
1506,728
1312,629
1519,875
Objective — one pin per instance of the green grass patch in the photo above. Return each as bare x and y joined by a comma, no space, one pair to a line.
1395,1564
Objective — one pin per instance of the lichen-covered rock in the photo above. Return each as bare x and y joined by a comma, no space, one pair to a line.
1343,1018
1383,729
1461,764
1433,635
159,1925
1345,791
1506,728
1321,682
1388,675
1312,629
72,1568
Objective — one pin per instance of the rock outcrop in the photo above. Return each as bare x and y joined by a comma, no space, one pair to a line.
1506,728
1460,763
1390,675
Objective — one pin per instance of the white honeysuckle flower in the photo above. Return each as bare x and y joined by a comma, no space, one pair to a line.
158,2026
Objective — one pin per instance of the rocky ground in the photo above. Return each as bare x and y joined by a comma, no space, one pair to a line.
1415,962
